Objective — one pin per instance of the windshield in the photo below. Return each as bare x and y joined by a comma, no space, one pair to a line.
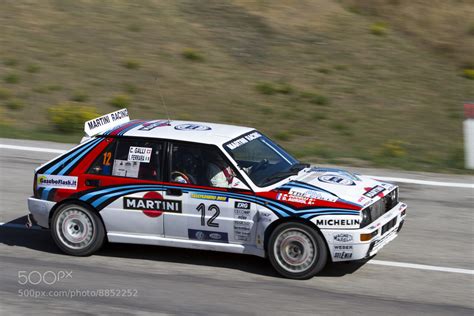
264,161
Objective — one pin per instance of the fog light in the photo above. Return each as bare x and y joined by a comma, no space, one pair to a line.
367,237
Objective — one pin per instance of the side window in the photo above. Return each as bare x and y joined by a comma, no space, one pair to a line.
200,165
103,163
138,159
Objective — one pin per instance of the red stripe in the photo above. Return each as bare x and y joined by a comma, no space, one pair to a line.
121,128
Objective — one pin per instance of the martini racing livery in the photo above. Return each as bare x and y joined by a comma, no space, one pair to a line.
211,187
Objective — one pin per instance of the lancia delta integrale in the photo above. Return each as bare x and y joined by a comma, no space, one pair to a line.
212,187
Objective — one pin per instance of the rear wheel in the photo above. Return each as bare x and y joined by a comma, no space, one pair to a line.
296,250
77,230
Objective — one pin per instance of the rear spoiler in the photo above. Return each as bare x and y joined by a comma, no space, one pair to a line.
104,123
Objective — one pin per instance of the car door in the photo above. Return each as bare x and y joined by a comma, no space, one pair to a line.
212,211
125,187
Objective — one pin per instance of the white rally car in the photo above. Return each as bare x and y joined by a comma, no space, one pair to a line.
213,187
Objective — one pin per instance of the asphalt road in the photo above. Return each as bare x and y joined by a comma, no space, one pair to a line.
157,280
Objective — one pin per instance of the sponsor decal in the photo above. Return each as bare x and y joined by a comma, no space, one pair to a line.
56,182
337,222
343,237
336,179
343,255
242,221
105,122
152,204
152,125
140,154
343,247
295,199
312,194
209,197
205,235
243,140
192,127
242,230
242,205
124,168
373,192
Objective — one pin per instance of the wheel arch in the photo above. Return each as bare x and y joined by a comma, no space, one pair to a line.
78,202
269,230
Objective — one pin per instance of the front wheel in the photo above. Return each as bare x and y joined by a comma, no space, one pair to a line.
296,250
77,230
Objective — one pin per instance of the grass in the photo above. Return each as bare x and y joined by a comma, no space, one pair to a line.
313,76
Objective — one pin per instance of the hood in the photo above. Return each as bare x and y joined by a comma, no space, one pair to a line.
323,183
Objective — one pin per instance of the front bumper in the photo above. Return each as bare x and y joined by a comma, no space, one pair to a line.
346,244
40,210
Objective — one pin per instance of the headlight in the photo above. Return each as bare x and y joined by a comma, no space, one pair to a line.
366,218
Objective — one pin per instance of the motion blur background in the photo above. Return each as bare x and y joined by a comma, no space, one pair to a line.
363,83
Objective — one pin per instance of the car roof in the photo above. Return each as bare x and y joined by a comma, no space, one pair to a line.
198,132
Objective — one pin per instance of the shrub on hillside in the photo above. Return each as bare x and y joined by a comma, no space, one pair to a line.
11,78
69,117
5,94
120,101
378,29
192,54
79,96
131,64
468,73
33,68
15,104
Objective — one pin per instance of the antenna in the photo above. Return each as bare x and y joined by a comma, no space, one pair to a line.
163,100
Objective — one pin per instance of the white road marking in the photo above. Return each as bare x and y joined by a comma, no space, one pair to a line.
390,179
374,262
38,149
425,182
420,266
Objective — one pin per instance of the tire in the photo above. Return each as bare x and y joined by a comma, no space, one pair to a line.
77,230
297,251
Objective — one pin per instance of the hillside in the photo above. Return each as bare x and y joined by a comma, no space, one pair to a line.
332,81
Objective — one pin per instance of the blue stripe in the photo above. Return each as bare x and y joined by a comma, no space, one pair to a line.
85,152
89,195
111,195
280,209
311,187
306,186
130,127
308,216
68,156
116,191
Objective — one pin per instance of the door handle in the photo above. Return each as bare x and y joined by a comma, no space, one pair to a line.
175,192
93,182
